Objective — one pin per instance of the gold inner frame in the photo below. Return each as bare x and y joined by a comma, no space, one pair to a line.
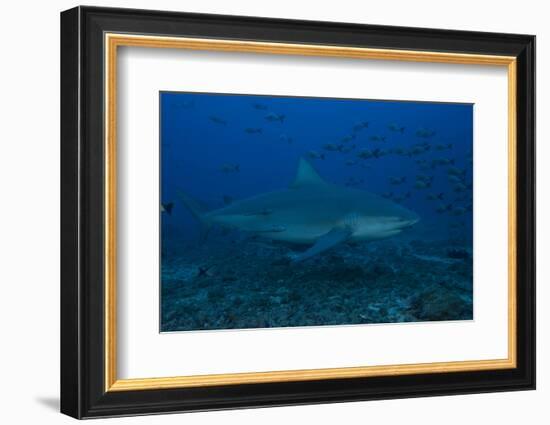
113,41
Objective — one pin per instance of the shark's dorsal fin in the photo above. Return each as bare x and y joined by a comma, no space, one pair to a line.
306,175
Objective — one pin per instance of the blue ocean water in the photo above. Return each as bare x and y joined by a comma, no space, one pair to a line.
219,149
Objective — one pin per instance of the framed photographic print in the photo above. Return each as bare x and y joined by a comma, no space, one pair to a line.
261,212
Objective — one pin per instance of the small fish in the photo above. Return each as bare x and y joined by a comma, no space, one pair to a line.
444,208
397,180
331,147
315,155
378,153
442,161
365,154
435,196
377,138
424,178
285,138
167,208
217,120
419,149
348,138
459,211
351,162
230,168
346,148
360,125
396,128
454,179
425,133
398,151
455,171
460,187
259,106
251,130
442,147
419,184
273,117
415,151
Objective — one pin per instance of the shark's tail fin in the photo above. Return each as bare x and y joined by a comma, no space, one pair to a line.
197,211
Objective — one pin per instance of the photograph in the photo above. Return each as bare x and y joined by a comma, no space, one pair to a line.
286,210
280,211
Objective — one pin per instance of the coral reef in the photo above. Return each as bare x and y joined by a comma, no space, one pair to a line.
228,284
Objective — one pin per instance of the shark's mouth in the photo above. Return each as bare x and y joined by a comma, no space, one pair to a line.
399,223
406,223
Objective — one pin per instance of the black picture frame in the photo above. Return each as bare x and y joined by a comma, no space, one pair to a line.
83,392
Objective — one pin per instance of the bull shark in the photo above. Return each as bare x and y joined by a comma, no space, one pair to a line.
311,211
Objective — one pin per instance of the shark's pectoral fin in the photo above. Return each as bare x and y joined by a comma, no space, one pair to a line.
336,236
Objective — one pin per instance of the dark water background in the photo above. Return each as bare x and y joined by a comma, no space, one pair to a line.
233,280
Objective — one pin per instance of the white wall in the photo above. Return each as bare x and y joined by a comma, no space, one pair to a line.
29,228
